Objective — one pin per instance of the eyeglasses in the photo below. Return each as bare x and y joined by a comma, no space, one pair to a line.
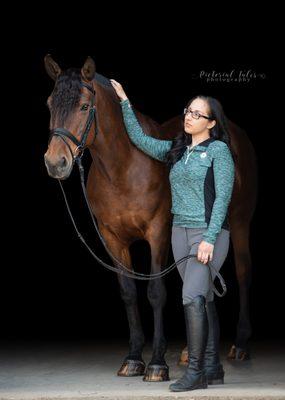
195,114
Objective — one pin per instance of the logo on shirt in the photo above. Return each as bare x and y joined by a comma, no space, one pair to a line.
203,155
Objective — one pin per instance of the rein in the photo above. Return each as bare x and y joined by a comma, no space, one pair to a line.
123,270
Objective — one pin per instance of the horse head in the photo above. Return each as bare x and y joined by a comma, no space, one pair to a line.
72,115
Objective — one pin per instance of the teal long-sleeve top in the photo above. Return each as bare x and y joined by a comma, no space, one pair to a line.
201,181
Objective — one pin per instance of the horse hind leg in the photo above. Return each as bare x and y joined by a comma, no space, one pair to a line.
243,267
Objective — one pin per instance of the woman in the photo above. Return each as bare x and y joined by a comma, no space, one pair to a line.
201,178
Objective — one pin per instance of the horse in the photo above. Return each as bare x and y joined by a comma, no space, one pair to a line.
130,196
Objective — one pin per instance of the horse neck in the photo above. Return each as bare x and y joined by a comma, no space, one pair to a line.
111,149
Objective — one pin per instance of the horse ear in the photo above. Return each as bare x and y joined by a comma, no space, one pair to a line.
88,70
52,68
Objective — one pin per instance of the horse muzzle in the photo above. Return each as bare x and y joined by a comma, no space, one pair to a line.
59,169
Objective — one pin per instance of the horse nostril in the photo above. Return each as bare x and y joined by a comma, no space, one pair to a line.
63,162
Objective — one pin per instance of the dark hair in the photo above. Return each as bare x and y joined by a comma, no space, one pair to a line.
66,93
67,90
219,131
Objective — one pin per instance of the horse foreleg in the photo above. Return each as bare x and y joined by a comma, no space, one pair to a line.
157,369
240,240
133,364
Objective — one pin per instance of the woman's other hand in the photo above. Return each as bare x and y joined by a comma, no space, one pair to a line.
119,89
205,252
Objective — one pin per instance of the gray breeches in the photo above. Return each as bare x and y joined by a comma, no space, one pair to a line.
196,275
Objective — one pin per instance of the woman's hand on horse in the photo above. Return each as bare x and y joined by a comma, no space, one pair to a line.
119,89
205,252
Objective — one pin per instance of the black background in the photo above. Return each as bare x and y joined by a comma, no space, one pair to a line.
51,286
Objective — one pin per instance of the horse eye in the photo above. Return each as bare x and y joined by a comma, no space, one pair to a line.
84,107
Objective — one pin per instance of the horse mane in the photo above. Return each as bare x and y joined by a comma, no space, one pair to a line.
103,80
67,90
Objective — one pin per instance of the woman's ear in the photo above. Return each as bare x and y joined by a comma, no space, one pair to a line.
211,124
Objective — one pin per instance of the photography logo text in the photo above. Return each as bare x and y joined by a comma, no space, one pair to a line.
233,76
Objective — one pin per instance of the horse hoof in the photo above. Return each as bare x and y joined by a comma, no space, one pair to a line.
156,373
132,368
238,353
183,357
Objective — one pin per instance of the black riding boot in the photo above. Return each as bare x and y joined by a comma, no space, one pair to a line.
212,366
197,333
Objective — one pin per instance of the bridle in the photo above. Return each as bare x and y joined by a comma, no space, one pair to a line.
64,133
81,145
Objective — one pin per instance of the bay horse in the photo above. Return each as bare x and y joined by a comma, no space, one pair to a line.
130,196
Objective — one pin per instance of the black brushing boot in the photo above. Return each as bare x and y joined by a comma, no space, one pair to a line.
212,366
197,333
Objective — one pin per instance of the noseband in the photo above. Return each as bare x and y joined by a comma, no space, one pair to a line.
64,133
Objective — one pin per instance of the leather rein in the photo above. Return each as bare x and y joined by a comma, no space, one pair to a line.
64,134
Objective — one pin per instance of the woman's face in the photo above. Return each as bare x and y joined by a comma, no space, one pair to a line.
198,107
